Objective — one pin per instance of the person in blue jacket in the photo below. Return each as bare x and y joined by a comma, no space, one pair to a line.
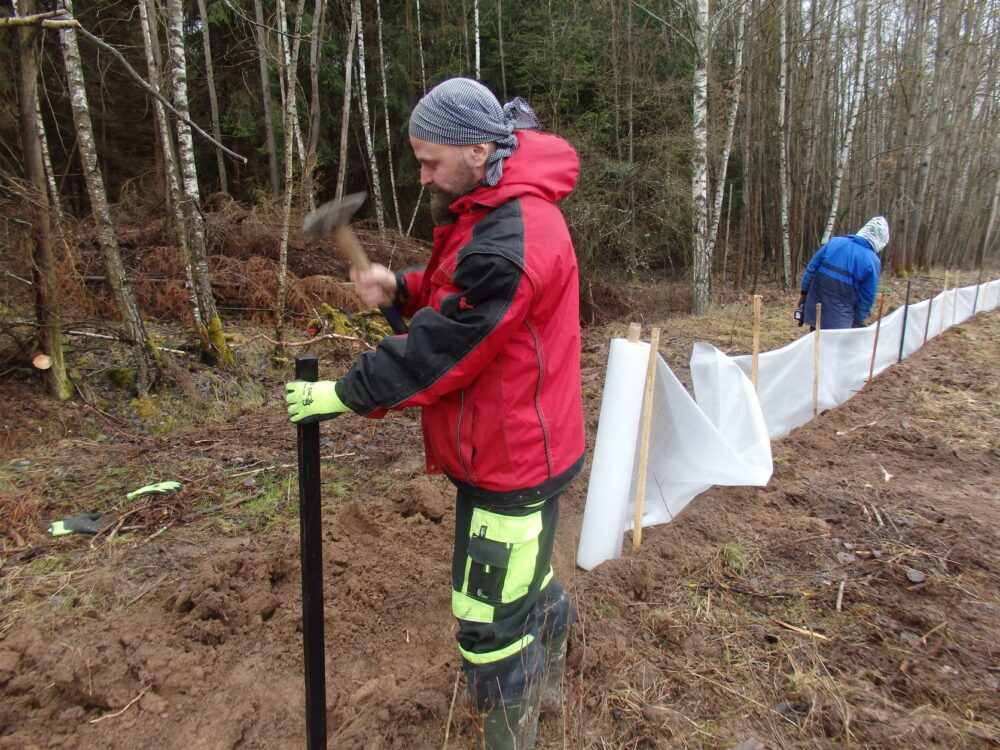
843,277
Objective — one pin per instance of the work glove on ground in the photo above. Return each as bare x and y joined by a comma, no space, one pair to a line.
313,402
160,488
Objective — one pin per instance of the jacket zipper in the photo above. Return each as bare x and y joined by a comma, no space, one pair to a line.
538,395
458,436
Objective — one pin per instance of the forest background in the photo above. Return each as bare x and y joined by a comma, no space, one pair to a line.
719,140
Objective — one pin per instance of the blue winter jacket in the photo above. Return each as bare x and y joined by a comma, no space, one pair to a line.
842,276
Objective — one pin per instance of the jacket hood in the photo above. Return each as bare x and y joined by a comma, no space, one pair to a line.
876,231
544,165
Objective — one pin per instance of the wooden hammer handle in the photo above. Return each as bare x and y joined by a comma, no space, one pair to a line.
350,247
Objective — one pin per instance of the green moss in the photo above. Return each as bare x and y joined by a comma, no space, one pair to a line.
122,377
337,320
217,340
146,408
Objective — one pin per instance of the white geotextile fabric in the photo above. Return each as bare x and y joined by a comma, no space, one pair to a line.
720,439
722,435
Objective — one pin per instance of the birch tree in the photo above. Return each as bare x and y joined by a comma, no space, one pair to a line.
171,169
845,148
318,24
284,63
212,336
147,371
727,148
291,115
42,256
365,118
213,100
420,49
475,25
786,245
701,266
265,94
385,109
345,117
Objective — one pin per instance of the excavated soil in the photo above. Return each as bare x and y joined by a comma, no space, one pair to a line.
181,629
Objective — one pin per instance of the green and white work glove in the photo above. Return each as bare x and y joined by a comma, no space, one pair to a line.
313,402
160,488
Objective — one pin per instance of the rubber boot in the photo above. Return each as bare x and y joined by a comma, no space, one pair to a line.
505,696
511,725
556,613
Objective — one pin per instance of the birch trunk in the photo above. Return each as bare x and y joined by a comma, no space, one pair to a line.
930,136
733,111
43,270
345,117
212,337
786,245
147,371
284,78
319,23
701,255
385,109
475,26
291,116
212,98
146,13
503,64
265,90
366,120
420,48
845,148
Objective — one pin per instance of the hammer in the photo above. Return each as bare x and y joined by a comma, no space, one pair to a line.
333,218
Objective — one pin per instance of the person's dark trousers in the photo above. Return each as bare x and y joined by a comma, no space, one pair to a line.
509,610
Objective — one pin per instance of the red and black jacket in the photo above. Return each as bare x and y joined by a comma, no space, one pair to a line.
493,350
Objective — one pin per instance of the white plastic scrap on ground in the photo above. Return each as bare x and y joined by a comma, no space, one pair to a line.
722,436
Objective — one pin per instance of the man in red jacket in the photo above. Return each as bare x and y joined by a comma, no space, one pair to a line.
493,358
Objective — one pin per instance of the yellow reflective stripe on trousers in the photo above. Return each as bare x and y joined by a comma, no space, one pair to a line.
464,607
501,653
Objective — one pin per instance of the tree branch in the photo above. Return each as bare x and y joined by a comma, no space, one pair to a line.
121,58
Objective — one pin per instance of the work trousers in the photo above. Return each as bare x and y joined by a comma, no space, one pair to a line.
503,595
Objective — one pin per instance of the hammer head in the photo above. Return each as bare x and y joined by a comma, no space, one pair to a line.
331,215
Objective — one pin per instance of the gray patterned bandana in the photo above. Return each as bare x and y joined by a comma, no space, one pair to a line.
461,112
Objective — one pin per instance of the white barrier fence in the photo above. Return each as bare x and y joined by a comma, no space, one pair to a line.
721,436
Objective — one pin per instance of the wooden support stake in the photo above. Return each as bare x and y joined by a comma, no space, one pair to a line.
878,326
758,301
634,329
646,423
819,328
906,313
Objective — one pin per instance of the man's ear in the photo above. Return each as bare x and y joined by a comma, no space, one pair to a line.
478,153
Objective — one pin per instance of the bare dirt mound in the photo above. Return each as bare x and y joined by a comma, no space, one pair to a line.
724,627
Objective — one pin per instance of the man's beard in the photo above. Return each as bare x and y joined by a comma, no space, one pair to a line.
441,199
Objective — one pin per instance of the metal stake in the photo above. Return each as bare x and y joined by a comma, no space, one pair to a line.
906,312
311,550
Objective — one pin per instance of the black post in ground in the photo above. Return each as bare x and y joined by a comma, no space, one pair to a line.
906,312
311,551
